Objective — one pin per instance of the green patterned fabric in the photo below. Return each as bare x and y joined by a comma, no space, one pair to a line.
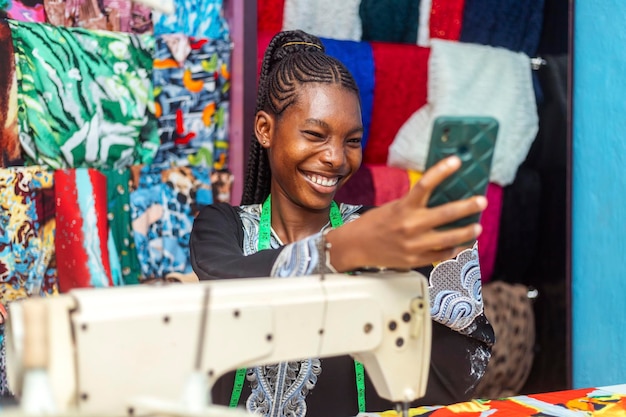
85,98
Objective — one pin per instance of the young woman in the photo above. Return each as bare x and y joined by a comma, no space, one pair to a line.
306,145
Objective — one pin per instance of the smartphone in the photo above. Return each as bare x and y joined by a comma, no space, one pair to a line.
472,139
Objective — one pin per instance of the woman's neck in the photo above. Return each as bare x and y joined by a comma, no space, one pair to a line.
292,222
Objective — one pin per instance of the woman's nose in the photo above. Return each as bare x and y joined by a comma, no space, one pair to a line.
334,155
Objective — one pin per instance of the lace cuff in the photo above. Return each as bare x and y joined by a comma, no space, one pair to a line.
455,290
305,257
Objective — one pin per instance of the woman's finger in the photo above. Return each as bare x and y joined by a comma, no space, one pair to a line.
421,191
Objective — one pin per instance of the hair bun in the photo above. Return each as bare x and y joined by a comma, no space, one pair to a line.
293,41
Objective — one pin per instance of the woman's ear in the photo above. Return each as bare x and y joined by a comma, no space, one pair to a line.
263,125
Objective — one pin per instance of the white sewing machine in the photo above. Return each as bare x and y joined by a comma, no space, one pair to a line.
158,349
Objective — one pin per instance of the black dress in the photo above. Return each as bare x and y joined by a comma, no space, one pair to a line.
223,245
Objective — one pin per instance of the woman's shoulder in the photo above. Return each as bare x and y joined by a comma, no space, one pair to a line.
352,211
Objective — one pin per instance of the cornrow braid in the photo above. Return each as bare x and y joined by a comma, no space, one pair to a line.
291,59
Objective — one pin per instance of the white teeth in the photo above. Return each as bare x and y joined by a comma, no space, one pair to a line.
326,182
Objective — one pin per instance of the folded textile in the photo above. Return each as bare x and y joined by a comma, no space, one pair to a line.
10,149
359,190
511,24
270,15
359,59
440,19
26,11
475,80
27,230
400,73
82,233
120,224
86,96
488,239
394,21
163,207
389,183
113,15
198,18
314,18
191,79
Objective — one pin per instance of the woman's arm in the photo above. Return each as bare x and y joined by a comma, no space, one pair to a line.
216,246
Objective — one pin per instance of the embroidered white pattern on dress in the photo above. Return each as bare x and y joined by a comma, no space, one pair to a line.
455,290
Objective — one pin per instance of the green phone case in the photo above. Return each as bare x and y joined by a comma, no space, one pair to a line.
471,138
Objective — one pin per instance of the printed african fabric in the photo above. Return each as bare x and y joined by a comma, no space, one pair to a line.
584,402
197,18
192,86
10,150
82,240
27,229
112,15
120,223
26,11
163,207
85,97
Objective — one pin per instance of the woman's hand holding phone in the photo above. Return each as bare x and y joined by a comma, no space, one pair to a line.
406,233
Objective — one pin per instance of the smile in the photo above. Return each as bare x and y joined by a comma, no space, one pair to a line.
323,181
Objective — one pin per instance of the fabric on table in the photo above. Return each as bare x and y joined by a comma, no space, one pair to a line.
191,79
101,114
359,59
120,223
400,74
395,21
27,233
10,149
601,401
313,17
196,18
270,15
461,81
163,208
511,24
27,11
82,234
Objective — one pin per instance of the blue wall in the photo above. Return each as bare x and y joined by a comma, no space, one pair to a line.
599,194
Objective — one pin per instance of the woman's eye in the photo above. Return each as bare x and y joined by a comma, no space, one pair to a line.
355,141
313,134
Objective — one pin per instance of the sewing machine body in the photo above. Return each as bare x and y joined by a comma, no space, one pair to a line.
118,351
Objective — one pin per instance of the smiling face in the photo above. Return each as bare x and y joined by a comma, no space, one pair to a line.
314,146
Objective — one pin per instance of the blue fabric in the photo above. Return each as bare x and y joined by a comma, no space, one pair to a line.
197,18
359,59
512,24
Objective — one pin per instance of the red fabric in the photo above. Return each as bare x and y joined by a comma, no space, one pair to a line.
488,240
270,15
446,18
389,183
401,74
263,41
77,244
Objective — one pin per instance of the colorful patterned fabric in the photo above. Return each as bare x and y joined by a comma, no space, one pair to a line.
192,89
26,11
82,235
197,18
163,208
586,402
120,223
10,150
27,229
85,98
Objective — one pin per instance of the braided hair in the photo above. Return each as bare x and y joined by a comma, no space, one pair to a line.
291,59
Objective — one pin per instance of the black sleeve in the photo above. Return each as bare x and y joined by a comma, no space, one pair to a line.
216,246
